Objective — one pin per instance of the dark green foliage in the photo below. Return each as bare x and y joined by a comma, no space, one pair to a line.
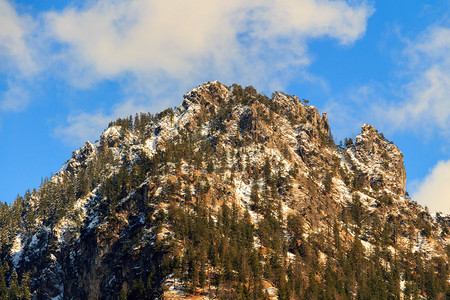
225,244
337,238
25,287
254,196
3,287
359,180
270,232
14,288
137,290
219,119
348,142
14,291
244,96
328,182
357,210
295,230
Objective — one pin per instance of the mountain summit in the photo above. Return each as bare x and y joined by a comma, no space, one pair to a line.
231,195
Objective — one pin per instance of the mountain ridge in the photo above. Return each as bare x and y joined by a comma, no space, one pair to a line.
239,166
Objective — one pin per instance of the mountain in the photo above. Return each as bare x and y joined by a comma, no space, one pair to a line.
231,195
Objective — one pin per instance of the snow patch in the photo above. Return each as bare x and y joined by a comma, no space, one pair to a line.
17,250
242,193
34,241
93,222
112,132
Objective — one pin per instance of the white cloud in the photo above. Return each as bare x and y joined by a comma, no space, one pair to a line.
434,191
17,57
193,41
348,111
292,19
426,103
16,98
82,127
14,32
88,126
174,45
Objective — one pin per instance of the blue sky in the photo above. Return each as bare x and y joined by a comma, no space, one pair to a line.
67,68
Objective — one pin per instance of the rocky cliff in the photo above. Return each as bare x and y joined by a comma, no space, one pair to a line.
230,195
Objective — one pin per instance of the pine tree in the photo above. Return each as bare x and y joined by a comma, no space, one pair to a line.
254,195
14,290
25,292
337,238
3,288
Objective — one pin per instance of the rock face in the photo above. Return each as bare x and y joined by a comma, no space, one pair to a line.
230,194
80,158
378,161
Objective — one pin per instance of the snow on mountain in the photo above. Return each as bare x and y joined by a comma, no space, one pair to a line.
122,215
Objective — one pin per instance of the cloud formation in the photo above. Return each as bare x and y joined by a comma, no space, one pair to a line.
191,40
426,103
14,99
87,126
163,48
175,45
14,30
434,191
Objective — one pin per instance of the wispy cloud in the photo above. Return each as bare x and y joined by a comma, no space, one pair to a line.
198,40
434,190
87,126
18,58
175,45
16,98
349,110
151,46
15,53
417,101
423,105
426,101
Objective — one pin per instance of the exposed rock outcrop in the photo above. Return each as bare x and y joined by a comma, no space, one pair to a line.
377,160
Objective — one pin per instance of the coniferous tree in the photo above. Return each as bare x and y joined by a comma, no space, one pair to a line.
3,287
14,289
25,292
254,195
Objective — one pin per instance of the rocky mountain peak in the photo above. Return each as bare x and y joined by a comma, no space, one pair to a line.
232,195
369,137
368,128
111,136
378,161
210,93
80,158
